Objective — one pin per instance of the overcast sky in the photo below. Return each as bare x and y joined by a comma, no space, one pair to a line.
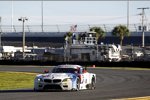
73,12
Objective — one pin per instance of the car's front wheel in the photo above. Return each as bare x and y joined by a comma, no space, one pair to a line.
78,85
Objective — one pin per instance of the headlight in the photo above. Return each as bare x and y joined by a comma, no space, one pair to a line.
65,80
40,80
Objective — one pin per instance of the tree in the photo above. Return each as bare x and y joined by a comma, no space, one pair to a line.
121,31
99,32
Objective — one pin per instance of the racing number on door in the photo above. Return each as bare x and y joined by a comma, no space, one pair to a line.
83,79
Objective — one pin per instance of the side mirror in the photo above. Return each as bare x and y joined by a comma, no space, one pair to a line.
85,70
46,71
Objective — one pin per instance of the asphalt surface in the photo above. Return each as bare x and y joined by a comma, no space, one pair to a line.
111,84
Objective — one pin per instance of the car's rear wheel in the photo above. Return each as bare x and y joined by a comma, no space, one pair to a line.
92,85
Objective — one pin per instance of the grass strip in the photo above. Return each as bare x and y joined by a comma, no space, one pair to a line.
16,80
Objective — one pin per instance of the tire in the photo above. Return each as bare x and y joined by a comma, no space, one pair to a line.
92,85
78,85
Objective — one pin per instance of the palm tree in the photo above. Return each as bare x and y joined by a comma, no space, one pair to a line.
99,32
121,31
69,35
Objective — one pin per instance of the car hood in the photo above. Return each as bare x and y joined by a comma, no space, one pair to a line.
57,75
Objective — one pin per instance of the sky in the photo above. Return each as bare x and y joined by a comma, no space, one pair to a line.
73,12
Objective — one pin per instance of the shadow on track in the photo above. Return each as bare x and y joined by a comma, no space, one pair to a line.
29,90
15,91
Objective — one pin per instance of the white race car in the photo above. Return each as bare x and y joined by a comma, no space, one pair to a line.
65,77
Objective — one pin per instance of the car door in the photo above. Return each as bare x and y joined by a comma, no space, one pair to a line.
84,77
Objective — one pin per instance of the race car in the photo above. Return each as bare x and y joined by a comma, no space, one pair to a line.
65,77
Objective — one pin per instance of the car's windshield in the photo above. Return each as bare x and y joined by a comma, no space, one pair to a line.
64,70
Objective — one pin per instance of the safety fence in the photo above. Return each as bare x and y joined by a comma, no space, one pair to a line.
67,27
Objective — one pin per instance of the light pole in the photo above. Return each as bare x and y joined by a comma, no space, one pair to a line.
12,14
42,14
143,14
23,19
128,14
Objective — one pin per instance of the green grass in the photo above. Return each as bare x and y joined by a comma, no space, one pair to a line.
16,80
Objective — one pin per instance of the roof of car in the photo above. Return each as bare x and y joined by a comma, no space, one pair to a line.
69,66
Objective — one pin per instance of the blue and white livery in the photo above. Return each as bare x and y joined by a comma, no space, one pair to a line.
65,77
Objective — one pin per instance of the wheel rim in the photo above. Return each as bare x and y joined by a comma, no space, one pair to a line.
93,85
78,85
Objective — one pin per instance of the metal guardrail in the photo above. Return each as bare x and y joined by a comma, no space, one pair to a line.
66,28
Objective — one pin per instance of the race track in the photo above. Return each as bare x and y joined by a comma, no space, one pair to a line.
111,84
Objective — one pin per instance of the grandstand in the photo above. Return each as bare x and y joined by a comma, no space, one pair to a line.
54,34
66,28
